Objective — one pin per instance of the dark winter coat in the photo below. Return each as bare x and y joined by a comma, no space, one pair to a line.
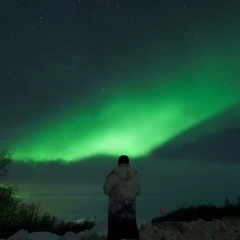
122,186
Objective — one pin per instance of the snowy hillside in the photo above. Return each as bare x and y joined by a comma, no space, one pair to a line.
225,229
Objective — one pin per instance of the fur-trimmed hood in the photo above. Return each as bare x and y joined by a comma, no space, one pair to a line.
125,172
122,183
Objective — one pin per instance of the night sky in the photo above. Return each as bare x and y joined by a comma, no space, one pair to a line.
83,82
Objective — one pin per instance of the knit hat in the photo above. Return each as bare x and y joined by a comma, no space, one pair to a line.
123,159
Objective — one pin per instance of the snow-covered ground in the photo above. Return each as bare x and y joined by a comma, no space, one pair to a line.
101,228
225,229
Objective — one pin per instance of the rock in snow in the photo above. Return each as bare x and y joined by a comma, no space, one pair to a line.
224,229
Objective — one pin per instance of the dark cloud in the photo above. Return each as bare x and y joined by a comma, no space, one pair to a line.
220,147
89,171
75,189
216,139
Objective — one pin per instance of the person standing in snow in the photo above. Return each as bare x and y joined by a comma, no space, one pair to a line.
122,186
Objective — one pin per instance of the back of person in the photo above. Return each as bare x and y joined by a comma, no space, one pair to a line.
125,184
122,186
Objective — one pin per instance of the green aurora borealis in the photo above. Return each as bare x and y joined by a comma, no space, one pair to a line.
138,122
119,82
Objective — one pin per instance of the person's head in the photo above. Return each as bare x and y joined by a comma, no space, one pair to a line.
123,159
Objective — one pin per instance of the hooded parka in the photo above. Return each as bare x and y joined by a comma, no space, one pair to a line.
122,186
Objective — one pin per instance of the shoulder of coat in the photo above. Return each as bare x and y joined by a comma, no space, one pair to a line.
112,172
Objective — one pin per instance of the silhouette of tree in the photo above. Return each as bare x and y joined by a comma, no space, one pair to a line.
238,201
205,212
15,214
227,202
5,160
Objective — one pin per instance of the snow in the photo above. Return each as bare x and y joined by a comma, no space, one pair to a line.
224,229
25,235
70,236
20,235
101,228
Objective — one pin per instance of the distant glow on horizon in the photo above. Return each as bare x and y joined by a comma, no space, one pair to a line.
138,122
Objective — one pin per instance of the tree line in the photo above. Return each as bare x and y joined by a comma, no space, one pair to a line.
205,212
15,214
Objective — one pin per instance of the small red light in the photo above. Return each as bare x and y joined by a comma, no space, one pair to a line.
162,211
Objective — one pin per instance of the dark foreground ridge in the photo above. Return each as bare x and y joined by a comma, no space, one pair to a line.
205,212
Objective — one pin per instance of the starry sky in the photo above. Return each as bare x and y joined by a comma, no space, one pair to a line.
83,82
